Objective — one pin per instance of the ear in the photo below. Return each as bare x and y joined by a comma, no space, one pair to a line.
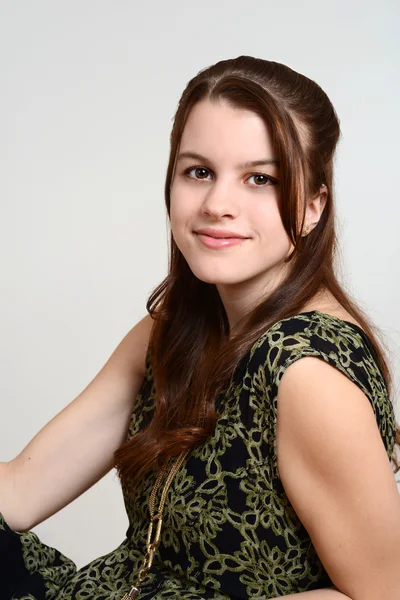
315,208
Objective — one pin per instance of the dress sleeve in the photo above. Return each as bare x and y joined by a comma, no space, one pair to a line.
338,343
30,568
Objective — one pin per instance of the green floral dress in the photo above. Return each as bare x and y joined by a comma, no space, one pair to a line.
229,531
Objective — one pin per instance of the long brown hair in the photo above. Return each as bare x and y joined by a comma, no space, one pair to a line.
191,356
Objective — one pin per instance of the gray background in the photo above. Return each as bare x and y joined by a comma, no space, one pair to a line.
88,92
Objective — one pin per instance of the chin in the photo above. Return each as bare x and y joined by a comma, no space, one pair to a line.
218,278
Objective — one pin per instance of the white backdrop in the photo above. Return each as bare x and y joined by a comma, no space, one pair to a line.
88,92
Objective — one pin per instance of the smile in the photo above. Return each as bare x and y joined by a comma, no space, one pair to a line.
217,243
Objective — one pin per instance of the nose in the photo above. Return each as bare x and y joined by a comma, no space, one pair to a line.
220,201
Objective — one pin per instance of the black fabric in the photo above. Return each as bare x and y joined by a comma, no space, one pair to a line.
15,579
229,529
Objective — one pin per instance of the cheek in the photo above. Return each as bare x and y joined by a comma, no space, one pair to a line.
174,210
184,204
179,213
267,220
269,225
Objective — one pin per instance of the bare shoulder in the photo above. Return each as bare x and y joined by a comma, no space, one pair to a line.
337,476
321,409
130,354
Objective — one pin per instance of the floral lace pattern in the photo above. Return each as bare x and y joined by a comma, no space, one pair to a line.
229,530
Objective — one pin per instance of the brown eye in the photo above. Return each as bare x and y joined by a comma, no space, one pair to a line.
200,172
262,179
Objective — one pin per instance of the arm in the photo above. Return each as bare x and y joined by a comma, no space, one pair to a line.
338,477
76,448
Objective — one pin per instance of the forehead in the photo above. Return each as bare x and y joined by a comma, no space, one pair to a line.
221,131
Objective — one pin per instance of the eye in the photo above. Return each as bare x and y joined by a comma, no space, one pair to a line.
265,178
201,171
198,169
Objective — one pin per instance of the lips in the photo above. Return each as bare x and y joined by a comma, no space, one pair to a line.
220,233
219,239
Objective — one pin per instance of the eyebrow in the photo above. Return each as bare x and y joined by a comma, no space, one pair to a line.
246,165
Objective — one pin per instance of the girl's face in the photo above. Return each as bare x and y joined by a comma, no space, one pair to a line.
216,188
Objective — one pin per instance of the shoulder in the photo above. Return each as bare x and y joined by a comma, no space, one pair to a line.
315,356
131,355
336,474
340,343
